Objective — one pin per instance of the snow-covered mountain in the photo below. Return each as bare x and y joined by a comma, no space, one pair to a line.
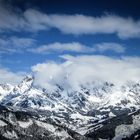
82,111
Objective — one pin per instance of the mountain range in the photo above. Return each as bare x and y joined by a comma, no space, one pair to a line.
95,111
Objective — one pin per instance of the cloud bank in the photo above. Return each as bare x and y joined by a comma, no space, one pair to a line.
32,20
77,70
82,69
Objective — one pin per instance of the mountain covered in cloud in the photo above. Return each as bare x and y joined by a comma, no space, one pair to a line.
95,110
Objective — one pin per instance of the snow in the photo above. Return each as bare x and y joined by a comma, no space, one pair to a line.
25,124
2,123
123,130
105,109
11,118
47,126
5,90
100,95
10,135
111,114
25,84
71,102
81,121
63,134
79,116
94,99
82,130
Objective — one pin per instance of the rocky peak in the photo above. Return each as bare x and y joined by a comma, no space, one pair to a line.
26,83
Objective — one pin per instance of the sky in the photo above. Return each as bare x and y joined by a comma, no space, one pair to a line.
77,40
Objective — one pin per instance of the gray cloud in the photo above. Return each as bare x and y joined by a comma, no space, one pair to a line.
10,19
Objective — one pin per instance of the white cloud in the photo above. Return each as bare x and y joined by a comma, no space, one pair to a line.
15,44
102,47
36,20
83,69
80,24
33,20
61,47
45,73
78,47
6,76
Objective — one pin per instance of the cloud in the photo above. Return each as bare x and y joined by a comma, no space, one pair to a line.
82,69
78,48
36,20
15,44
62,47
107,24
102,47
81,24
22,42
11,19
32,20
7,76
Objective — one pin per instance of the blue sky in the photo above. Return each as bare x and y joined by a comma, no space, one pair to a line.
33,32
